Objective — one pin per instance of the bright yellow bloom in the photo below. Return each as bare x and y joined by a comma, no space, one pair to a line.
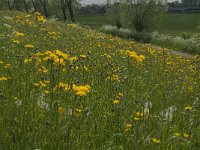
16,41
83,56
3,78
72,26
140,58
155,140
46,91
78,110
127,127
7,66
28,46
177,134
136,118
27,61
40,19
116,102
36,84
86,68
186,135
81,90
19,34
139,114
188,107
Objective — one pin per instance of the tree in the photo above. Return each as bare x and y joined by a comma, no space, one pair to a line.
64,8
144,14
44,4
11,4
70,7
25,5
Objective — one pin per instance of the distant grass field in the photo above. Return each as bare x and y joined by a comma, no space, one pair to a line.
171,23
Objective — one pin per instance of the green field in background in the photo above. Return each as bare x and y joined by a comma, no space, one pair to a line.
170,23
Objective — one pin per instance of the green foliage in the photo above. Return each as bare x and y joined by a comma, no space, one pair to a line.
144,14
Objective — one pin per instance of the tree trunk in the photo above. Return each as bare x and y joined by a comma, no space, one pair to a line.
25,5
45,8
34,5
64,13
69,3
9,5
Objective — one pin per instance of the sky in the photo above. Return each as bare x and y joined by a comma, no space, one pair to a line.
85,2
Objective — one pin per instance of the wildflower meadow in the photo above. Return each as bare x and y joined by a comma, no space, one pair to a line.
64,86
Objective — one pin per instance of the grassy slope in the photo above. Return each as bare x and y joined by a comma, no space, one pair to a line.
47,117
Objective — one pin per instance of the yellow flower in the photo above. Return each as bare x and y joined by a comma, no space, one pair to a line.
72,26
86,68
116,102
155,140
177,134
7,66
136,118
46,91
140,58
43,69
27,61
19,34
127,127
28,46
188,107
113,77
36,84
16,41
61,110
78,110
83,56
139,114
3,78
186,135
81,90
73,59
120,94
40,18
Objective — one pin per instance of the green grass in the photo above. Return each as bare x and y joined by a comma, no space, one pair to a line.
68,87
170,23
180,23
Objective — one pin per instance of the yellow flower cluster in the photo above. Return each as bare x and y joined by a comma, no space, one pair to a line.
113,77
28,46
81,90
57,57
19,34
41,83
40,18
64,86
185,135
138,116
72,25
52,33
127,127
155,140
138,58
4,78
188,107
